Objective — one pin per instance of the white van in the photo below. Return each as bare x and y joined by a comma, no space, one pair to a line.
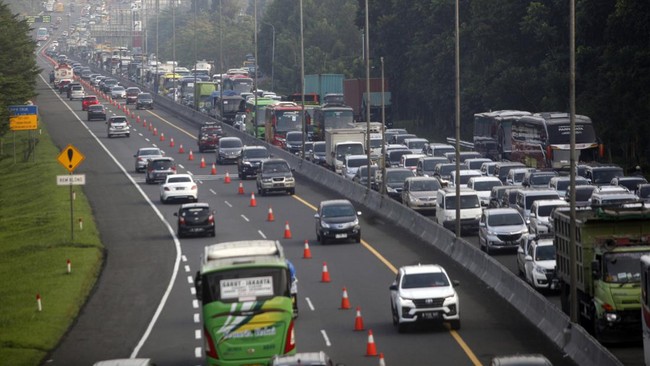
470,209
526,198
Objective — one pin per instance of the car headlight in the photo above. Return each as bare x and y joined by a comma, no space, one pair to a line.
289,179
325,225
540,270
414,199
611,317
247,163
266,180
390,189
355,222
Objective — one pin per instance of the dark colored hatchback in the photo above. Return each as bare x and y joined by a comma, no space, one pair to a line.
337,220
250,159
159,168
195,219
96,111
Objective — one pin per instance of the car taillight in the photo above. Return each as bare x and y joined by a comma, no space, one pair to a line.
174,168
193,187
290,342
181,220
210,350
211,219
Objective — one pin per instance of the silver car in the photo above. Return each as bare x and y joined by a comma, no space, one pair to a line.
500,228
144,154
419,193
229,150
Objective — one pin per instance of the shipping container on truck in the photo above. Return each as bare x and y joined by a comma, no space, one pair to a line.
353,95
323,84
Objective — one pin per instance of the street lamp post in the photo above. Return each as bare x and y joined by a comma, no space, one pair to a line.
367,54
302,81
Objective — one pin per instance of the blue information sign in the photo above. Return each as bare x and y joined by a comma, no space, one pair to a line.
21,110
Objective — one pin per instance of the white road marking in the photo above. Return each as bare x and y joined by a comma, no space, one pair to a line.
327,340
181,166
184,258
228,204
198,352
261,234
190,280
245,218
197,334
212,191
193,290
197,318
187,268
311,306
146,139
195,304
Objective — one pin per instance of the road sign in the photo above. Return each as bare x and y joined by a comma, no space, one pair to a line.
72,179
23,117
70,157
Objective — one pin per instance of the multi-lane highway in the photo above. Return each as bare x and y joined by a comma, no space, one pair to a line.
143,304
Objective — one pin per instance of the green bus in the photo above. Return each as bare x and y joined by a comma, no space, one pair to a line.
245,290
255,124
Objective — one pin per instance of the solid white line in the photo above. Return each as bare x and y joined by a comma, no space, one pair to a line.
261,234
228,204
311,306
197,318
197,334
198,352
187,268
190,280
177,244
245,218
195,304
327,340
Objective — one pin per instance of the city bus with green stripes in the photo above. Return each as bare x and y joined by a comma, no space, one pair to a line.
247,305
255,115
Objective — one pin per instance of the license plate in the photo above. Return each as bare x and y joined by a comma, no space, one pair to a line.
196,229
429,315
341,236
180,188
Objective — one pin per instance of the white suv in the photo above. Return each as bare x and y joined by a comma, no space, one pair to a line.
424,293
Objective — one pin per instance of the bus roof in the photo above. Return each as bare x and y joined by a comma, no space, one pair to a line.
261,101
243,249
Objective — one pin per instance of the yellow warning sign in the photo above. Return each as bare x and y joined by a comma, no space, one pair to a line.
70,158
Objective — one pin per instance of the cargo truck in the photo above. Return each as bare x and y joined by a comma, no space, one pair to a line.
323,84
342,142
354,95
202,95
609,245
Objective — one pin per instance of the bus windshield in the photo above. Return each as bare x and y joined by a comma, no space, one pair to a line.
288,120
561,134
338,118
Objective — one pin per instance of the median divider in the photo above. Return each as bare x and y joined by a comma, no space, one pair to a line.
572,339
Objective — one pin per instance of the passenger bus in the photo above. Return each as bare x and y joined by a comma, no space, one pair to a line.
255,114
168,81
540,140
331,116
247,306
645,306
281,118
238,83
42,34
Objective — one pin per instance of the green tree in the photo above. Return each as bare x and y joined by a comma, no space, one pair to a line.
18,68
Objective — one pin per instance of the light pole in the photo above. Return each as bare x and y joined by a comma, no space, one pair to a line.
272,55
302,81
457,82
255,91
382,161
367,52
174,48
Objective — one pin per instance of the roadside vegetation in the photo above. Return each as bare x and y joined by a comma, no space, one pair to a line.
36,245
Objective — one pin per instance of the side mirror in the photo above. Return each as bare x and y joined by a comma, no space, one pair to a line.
528,258
595,269
316,216
176,214
520,250
481,224
455,283
393,287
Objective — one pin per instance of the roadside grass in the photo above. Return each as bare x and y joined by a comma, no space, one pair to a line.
35,244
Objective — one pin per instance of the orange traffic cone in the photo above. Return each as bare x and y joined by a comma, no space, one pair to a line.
381,360
213,171
155,131
226,180
190,156
371,348
253,201
358,320
137,119
150,126
345,301
162,136
171,142
240,190
144,122
181,150
270,216
325,277
202,165
306,254
287,230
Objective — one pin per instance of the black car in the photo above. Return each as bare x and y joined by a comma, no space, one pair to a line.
159,168
209,135
132,94
96,111
337,220
144,101
250,159
195,219
106,84
395,178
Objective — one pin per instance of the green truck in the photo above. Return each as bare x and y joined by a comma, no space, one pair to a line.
609,245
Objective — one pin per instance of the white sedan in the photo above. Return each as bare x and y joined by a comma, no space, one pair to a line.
118,92
179,186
